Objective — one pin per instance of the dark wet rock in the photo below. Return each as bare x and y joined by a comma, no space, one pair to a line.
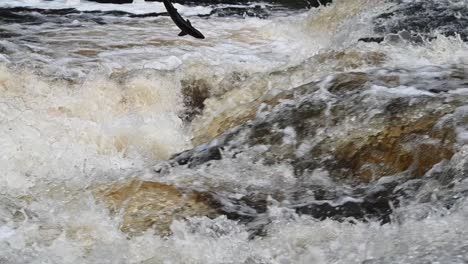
370,132
149,14
18,15
404,36
370,209
375,202
37,16
394,139
256,11
372,39
202,156
260,11
245,209
425,17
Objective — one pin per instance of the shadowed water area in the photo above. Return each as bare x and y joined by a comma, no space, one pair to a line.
294,133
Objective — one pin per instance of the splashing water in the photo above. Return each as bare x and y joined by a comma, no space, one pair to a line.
92,97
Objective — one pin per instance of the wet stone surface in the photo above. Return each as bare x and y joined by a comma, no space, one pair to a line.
423,17
146,205
370,132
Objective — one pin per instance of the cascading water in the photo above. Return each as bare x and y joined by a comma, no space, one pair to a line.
280,138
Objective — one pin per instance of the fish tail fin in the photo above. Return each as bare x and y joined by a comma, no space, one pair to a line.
182,33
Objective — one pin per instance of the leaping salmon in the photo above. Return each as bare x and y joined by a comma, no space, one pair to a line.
184,25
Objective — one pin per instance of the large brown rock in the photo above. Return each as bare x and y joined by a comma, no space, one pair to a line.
351,129
357,125
407,143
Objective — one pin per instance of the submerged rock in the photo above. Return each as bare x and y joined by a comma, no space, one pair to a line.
425,17
353,126
369,132
145,205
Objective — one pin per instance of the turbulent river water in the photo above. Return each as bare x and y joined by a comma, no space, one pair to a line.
326,135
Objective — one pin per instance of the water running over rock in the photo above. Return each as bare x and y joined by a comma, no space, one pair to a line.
280,138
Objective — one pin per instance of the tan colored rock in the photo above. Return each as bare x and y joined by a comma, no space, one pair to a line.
351,59
227,120
145,205
348,82
409,143
224,122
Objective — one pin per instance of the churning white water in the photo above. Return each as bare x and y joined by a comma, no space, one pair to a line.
95,96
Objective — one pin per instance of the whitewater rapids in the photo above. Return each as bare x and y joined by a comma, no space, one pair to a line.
94,97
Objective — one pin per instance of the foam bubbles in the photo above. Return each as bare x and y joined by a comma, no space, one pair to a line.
65,131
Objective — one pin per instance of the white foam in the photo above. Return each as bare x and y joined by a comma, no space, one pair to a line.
400,91
56,131
91,238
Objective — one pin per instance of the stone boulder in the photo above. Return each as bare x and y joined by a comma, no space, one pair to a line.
355,125
367,132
